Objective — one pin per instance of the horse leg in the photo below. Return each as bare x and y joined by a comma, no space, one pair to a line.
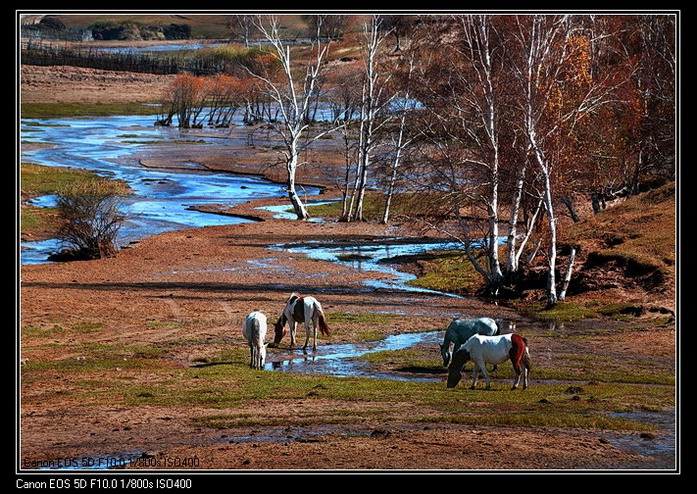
254,359
516,381
526,371
293,328
475,372
307,334
314,332
518,358
482,366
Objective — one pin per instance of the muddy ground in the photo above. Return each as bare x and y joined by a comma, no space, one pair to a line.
181,276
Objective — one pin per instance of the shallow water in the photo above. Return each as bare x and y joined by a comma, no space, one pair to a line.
372,256
159,48
339,359
162,200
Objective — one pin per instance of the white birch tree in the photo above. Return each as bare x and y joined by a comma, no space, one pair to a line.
557,92
401,138
374,101
466,101
293,92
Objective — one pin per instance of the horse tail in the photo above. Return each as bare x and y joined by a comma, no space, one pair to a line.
526,355
322,320
519,353
323,327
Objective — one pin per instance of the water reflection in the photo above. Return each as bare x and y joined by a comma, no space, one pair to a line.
341,359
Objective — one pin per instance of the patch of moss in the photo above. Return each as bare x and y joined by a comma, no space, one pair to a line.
560,312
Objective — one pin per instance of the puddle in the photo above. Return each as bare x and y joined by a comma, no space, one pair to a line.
658,448
338,359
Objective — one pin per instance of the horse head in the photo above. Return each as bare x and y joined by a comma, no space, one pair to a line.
459,360
279,329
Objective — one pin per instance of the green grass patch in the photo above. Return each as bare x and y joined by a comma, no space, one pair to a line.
63,110
544,419
36,219
110,373
445,271
361,317
374,206
560,312
539,406
47,332
99,357
37,180
370,335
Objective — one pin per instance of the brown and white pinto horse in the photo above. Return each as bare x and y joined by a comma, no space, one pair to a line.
304,310
484,350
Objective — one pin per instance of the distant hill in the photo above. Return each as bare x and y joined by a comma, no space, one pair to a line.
203,26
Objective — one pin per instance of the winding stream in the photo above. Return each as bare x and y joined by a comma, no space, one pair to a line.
337,360
161,199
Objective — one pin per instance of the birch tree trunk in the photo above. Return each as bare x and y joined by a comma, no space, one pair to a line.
372,103
567,276
291,168
481,107
537,43
400,143
293,95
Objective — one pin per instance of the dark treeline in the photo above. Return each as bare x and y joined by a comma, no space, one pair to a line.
41,53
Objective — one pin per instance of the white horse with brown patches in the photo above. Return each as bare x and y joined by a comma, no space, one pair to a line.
306,310
254,329
484,350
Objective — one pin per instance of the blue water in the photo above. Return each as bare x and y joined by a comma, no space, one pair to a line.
339,359
367,256
159,48
162,200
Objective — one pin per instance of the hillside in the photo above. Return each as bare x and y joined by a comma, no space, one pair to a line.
628,252
625,264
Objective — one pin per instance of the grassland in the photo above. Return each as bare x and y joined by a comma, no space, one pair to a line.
569,397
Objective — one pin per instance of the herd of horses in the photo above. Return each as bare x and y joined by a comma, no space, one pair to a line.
478,340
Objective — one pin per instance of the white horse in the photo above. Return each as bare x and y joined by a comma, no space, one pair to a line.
461,330
254,330
484,350
305,310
